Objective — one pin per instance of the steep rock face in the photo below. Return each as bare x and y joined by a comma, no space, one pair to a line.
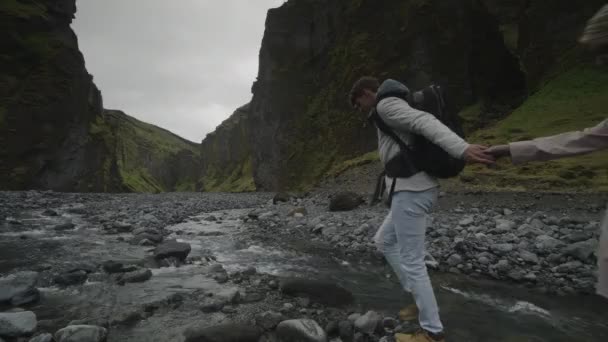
147,158
226,155
54,132
490,55
313,51
47,100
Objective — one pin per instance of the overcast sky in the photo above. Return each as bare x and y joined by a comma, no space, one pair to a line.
182,65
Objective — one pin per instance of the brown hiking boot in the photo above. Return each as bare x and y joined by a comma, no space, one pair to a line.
409,313
420,336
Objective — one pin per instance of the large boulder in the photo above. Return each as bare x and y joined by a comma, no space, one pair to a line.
15,324
178,250
71,278
81,333
223,333
42,338
268,320
581,250
324,292
138,276
19,288
301,330
345,201
369,323
281,197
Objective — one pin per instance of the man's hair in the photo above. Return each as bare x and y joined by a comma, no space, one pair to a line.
364,83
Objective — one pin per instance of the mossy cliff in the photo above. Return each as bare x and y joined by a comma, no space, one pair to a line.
226,155
54,132
493,56
146,158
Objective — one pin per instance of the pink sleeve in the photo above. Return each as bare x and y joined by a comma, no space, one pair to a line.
561,145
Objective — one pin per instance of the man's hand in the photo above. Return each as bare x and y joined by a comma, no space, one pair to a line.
499,151
478,154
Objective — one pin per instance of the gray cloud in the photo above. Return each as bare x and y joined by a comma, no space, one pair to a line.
183,65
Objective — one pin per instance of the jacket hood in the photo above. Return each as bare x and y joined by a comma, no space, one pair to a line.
391,86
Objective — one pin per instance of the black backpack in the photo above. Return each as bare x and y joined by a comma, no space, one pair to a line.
422,154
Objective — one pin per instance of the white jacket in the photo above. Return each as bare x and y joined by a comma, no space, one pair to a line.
405,120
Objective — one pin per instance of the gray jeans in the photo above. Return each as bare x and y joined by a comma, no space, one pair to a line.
401,239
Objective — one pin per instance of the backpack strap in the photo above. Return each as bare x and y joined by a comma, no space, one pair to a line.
382,126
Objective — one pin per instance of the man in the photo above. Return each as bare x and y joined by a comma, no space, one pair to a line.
573,143
402,235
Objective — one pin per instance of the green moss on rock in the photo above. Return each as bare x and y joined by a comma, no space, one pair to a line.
21,9
573,100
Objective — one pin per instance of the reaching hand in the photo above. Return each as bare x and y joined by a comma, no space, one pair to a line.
478,154
499,151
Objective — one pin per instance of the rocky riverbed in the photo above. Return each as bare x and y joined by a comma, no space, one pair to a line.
182,267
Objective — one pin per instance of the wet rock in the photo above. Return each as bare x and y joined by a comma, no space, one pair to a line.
362,230
42,338
81,333
454,260
147,234
128,317
96,321
223,333
19,288
326,293
212,305
249,271
502,248
301,330
430,262
71,278
569,267
547,243
467,221
269,320
221,278
389,324
230,295
253,297
582,250
345,201
15,324
368,323
329,231
353,317
504,226
273,284
82,266
502,265
123,227
228,309
516,274
287,307
138,276
111,267
346,330
49,212
281,197
483,260
577,237
64,226
179,250
298,212
529,257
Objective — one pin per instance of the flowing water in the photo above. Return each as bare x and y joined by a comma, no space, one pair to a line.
472,310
